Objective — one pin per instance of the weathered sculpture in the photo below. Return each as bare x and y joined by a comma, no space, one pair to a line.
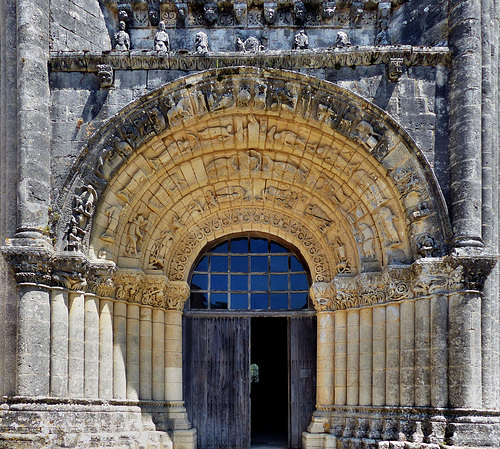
210,10
301,41
122,39
201,43
270,12
342,40
162,41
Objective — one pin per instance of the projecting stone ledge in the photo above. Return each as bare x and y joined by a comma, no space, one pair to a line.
285,59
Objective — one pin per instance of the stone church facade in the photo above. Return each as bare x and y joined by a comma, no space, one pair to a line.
362,136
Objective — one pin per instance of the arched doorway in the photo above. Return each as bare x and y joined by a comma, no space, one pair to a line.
249,345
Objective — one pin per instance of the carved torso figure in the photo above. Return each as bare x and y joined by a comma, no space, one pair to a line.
201,43
122,39
301,40
162,41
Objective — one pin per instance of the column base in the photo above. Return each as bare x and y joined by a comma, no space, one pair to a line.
51,423
357,427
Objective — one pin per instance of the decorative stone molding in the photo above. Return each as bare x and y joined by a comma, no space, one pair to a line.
323,296
70,271
283,59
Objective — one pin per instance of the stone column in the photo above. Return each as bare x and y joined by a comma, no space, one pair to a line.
133,372
32,269
119,350
145,352
91,368
407,354
322,295
176,294
393,331
352,371
340,363
422,353
379,335
465,283
59,342
158,376
465,118
33,120
101,284
365,356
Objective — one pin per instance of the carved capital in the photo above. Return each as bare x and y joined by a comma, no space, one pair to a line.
176,294
323,296
153,291
129,286
30,265
100,278
70,270
430,276
470,269
397,283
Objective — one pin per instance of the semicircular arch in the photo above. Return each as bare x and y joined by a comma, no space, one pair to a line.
254,150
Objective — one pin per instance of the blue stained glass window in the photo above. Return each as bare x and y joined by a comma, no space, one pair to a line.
249,272
219,263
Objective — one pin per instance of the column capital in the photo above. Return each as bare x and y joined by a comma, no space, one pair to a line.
470,268
31,265
177,292
100,278
70,270
323,296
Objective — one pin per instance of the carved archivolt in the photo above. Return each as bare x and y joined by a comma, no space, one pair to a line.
174,165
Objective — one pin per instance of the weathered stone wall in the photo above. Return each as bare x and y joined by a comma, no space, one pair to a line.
78,25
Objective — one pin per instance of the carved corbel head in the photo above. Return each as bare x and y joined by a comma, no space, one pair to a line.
270,10
299,11
210,13
394,69
182,12
240,12
105,75
154,17
329,9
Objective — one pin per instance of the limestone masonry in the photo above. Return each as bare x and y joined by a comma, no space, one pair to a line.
136,135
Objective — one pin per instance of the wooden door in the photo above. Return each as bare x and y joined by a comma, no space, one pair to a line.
302,344
217,380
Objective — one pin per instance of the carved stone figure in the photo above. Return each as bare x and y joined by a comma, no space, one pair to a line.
270,12
84,203
383,37
201,43
182,12
105,75
357,11
134,235
329,9
395,69
240,12
301,41
210,13
122,39
299,12
154,17
251,45
342,40
75,236
162,41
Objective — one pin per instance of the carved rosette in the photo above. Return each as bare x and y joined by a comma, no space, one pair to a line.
177,292
30,265
100,279
323,296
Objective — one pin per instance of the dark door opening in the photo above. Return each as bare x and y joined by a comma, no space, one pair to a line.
269,385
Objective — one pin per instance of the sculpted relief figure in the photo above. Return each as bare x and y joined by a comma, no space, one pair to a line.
122,39
301,41
162,41
210,10
299,11
240,12
201,43
134,235
342,40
